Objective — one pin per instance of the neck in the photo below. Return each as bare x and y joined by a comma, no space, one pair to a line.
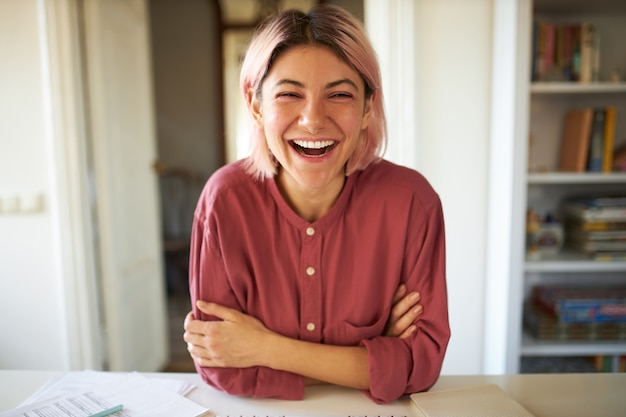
309,203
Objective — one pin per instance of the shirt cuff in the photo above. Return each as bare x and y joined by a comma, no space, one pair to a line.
388,378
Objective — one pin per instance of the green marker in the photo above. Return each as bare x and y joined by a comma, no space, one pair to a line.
108,411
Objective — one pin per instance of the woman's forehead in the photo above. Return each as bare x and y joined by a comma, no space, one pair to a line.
311,63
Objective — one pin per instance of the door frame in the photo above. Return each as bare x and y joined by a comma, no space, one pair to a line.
72,202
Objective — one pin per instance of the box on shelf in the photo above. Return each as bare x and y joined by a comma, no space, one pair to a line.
581,303
544,326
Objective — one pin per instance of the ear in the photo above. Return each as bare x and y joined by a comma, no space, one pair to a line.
368,108
254,107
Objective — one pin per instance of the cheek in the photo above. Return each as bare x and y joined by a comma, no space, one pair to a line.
352,122
274,122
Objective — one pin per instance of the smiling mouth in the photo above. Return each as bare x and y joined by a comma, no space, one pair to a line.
313,148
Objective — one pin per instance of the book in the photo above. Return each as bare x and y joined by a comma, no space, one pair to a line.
609,139
544,326
578,226
597,235
557,53
596,142
582,304
595,209
608,256
488,400
587,54
591,247
575,139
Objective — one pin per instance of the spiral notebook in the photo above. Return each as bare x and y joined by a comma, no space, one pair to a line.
487,400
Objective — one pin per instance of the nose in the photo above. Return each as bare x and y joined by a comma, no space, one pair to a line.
312,116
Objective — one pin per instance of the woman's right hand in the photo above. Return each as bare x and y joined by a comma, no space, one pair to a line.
405,309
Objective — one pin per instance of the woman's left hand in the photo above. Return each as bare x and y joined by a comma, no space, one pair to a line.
405,309
235,341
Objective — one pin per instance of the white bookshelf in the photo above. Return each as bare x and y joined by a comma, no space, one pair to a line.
543,187
543,87
533,347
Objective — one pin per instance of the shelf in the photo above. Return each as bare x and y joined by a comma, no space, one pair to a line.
577,88
534,347
576,178
542,187
567,264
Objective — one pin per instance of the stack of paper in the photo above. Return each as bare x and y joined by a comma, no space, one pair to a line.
90,392
476,401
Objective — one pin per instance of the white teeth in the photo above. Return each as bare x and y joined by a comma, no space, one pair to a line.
308,144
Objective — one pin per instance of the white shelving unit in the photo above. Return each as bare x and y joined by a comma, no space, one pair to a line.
545,188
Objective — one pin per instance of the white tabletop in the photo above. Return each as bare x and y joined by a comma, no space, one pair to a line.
569,395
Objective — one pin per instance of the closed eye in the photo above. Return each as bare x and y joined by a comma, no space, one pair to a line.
341,95
288,94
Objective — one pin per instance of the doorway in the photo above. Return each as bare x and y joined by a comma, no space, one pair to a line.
187,80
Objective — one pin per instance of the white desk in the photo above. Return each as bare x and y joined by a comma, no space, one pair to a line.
567,395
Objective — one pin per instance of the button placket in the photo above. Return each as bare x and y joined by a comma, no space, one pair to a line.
311,300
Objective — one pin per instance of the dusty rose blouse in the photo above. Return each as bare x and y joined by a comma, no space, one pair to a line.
331,281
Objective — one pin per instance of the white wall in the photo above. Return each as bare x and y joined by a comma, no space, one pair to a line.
452,69
454,87
32,314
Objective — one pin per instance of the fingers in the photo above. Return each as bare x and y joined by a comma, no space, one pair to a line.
404,305
217,310
408,332
403,314
400,292
404,326
188,318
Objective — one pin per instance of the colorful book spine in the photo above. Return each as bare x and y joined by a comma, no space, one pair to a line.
596,142
609,139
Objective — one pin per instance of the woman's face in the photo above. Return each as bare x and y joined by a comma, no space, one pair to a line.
312,110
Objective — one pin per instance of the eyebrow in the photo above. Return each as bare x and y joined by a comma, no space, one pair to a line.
329,85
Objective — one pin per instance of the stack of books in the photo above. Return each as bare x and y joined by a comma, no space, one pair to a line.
559,312
565,52
587,140
596,226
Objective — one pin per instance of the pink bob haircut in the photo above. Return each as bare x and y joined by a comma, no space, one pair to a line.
327,26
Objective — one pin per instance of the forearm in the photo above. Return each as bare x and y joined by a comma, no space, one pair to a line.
339,365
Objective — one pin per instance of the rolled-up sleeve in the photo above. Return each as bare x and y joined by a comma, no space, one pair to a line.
208,281
404,366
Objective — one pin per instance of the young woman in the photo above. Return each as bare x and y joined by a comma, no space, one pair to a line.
315,260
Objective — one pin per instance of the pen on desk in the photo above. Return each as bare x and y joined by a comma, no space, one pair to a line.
108,411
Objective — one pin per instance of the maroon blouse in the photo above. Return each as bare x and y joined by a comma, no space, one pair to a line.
331,281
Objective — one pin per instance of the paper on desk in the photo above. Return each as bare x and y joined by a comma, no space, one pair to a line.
77,405
81,381
140,396
487,400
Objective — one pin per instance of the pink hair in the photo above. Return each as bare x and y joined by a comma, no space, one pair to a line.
331,27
